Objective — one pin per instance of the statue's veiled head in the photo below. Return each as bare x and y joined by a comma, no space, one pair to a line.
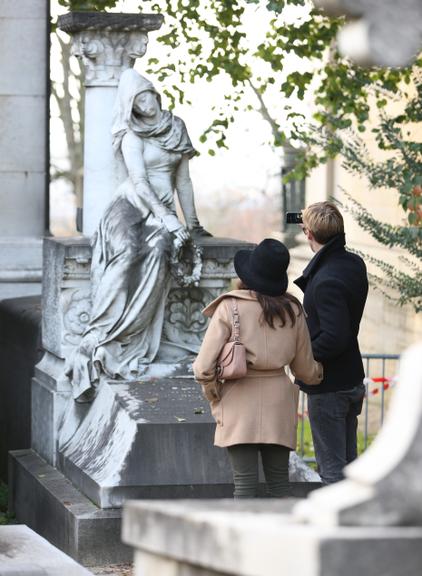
138,109
130,86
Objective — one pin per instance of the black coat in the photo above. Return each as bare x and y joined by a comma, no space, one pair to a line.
335,287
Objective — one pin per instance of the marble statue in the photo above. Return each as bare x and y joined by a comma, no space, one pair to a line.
138,240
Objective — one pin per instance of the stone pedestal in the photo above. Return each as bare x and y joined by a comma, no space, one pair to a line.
66,309
152,439
162,400
50,396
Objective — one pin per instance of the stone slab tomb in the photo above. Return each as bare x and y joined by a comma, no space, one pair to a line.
149,439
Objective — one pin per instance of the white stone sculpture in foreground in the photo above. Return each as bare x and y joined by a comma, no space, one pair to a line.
139,239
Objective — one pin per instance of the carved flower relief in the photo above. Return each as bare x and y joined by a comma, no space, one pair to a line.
76,316
218,269
184,322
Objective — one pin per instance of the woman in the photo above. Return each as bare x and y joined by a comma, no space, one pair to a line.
130,270
258,413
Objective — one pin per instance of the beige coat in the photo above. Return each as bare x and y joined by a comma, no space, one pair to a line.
262,407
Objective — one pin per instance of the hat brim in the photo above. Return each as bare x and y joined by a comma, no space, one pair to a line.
253,281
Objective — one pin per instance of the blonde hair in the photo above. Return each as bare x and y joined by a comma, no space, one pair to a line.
324,220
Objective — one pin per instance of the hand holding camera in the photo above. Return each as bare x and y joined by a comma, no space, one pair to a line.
294,218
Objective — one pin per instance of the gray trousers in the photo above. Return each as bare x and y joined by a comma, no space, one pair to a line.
275,461
334,421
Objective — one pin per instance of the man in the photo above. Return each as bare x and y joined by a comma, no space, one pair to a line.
335,287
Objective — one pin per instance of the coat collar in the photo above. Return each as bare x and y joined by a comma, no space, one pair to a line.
336,244
240,294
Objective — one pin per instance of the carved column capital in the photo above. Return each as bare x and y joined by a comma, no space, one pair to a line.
105,55
108,43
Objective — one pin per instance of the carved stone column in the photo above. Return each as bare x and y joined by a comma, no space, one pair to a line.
107,44
24,33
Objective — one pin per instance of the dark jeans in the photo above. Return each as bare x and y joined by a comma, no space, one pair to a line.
333,418
275,461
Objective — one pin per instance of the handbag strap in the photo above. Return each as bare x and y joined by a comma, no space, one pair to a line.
235,321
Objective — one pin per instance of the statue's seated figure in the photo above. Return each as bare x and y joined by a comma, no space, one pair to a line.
137,238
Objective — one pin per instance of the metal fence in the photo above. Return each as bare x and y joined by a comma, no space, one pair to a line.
380,370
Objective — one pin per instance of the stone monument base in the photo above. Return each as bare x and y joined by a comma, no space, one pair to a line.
45,500
146,439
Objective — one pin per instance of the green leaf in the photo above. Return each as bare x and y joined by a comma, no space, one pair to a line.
412,218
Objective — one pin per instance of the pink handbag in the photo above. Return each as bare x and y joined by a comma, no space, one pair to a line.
231,363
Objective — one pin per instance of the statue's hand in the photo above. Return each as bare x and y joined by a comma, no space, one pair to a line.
182,235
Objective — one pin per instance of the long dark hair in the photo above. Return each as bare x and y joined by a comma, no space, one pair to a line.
275,308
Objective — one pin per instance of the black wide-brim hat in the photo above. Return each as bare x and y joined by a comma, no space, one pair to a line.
264,269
